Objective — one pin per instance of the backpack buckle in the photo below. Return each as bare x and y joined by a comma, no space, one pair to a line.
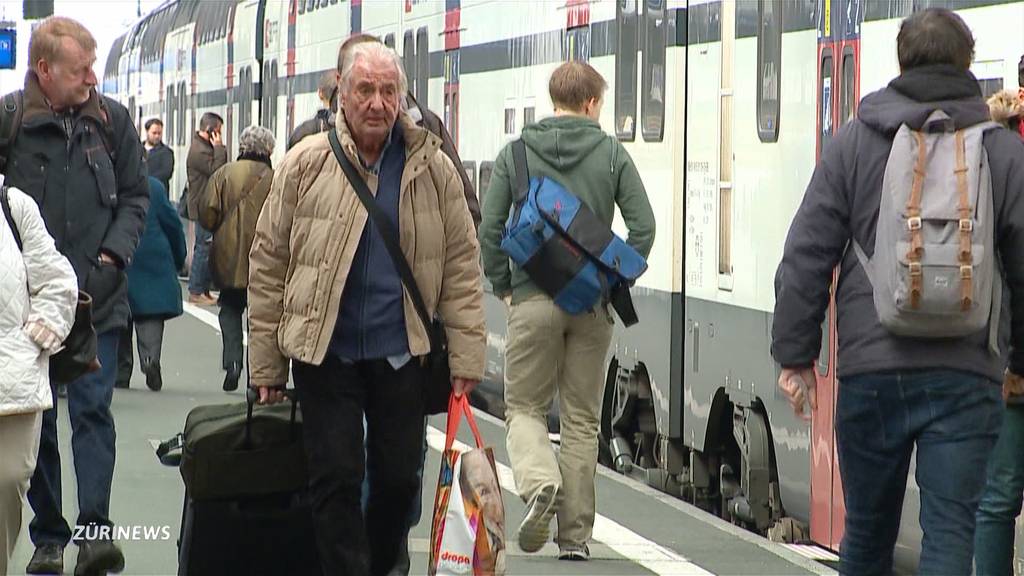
916,269
966,225
914,224
966,272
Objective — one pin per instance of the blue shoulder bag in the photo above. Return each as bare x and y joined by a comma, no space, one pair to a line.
565,249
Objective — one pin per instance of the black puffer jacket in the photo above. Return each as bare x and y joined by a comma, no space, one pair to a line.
92,199
842,202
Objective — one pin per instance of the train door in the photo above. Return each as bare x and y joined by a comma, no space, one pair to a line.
837,101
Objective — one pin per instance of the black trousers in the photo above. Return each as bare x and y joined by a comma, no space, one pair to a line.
334,398
233,302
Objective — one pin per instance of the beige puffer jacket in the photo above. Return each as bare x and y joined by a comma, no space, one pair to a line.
306,240
36,284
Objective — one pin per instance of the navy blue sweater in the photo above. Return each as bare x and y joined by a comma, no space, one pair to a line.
371,319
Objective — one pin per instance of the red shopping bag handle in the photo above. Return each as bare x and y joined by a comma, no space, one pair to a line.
458,405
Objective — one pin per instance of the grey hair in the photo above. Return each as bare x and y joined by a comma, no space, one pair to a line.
372,50
256,140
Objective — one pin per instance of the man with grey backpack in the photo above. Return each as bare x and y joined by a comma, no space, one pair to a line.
918,201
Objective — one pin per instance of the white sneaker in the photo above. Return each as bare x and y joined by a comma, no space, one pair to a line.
535,528
574,552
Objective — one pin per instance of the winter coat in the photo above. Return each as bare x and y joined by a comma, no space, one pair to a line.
322,121
307,236
230,208
160,161
85,170
841,204
574,151
203,160
36,284
153,288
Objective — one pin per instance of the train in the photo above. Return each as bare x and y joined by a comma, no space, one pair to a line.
724,106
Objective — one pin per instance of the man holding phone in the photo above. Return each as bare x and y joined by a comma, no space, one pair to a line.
205,156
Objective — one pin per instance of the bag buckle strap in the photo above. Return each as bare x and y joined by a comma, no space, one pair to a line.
916,269
966,225
914,223
966,272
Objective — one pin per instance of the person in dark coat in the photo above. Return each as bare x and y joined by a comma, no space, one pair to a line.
153,290
324,118
205,156
78,155
159,157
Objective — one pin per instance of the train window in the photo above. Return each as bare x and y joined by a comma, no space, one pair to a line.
470,167
275,92
652,109
990,86
578,43
389,40
302,6
510,120
422,66
625,70
183,135
769,67
529,115
310,5
825,133
486,169
409,60
847,98
169,127
725,136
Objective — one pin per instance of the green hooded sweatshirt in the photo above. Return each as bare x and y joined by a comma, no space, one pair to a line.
574,151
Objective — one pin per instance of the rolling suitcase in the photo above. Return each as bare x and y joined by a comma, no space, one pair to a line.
246,509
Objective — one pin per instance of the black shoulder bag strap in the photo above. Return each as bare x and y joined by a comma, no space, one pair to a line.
6,203
387,232
522,171
11,112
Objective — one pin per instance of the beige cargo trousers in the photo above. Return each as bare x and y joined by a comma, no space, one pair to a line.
547,350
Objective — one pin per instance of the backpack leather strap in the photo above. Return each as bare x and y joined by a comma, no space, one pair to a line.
966,226
914,223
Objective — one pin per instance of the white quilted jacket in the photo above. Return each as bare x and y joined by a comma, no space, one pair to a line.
40,285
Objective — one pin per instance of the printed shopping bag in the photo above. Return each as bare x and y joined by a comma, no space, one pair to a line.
467,533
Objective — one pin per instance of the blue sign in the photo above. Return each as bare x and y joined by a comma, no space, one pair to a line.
8,43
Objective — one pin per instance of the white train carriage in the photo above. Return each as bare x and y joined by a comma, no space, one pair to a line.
724,106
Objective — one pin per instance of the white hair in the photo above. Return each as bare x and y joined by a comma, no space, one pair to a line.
256,140
372,50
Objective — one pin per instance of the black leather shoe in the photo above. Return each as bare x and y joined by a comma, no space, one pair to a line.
123,384
97,557
47,559
231,378
154,381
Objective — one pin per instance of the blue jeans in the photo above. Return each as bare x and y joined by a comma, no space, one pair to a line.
92,446
417,505
199,275
1001,500
953,418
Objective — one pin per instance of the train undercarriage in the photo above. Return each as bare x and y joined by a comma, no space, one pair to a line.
735,478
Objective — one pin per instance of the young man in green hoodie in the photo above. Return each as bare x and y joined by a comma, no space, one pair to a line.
548,349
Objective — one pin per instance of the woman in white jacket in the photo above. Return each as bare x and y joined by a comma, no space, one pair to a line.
38,293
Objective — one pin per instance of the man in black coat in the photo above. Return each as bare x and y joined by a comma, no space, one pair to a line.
159,157
79,156
324,118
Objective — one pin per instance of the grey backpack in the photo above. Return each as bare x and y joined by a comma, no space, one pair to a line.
934,271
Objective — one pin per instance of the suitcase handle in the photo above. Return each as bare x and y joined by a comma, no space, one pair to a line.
251,396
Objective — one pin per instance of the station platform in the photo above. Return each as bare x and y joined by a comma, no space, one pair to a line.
637,531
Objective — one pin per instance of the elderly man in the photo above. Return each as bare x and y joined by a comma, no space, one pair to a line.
78,155
324,293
